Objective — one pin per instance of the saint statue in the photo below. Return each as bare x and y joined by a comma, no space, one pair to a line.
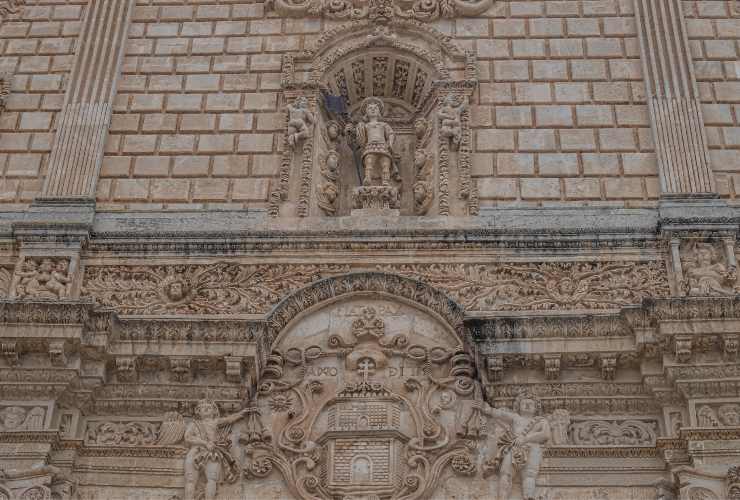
376,139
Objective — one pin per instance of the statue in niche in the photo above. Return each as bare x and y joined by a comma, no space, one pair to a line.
300,121
450,118
209,449
706,276
376,139
520,446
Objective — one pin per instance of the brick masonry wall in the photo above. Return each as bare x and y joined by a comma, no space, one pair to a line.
559,118
196,121
562,115
714,31
37,48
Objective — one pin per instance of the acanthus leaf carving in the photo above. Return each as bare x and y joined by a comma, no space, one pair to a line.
209,289
614,433
544,286
381,11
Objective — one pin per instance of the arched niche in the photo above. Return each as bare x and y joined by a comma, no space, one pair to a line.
420,77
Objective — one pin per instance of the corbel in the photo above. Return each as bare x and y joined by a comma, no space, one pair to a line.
608,365
57,355
10,352
182,369
495,364
126,368
730,344
684,345
234,368
552,366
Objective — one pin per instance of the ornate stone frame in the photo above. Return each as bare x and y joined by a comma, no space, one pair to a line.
456,74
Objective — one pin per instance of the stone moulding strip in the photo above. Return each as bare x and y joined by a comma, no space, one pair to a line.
85,117
132,451
602,452
673,100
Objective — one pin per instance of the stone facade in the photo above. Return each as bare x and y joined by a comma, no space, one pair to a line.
382,249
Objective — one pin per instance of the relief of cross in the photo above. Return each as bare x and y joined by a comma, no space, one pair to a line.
366,367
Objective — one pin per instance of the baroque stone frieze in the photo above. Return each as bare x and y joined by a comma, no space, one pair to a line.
544,285
235,288
220,288
381,10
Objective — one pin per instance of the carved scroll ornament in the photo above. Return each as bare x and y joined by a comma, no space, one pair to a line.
381,10
544,285
614,433
210,289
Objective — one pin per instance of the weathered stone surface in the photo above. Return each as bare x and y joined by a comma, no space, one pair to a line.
470,249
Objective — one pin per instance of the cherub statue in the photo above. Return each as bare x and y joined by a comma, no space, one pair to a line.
520,447
29,285
59,281
376,139
209,449
300,121
705,276
450,117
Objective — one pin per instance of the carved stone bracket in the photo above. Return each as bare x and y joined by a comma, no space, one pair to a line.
57,354
181,369
10,352
552,366
126,369
234,368
608,365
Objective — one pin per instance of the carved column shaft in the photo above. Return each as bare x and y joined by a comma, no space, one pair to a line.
85,118
678,127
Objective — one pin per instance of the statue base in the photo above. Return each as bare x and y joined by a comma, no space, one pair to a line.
375,200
